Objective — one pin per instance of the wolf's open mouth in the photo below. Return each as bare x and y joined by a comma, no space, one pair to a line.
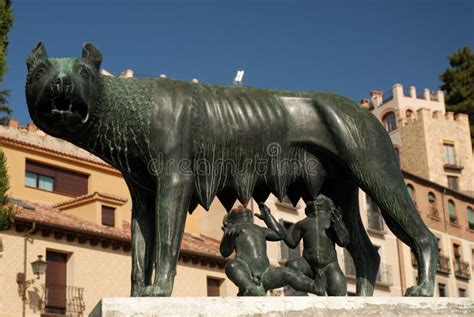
64,108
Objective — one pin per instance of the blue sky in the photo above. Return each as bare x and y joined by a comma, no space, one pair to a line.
345,46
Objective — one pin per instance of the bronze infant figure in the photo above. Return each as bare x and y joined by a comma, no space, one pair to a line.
251,270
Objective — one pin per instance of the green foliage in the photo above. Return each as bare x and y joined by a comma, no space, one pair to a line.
6,22
7,213
458,84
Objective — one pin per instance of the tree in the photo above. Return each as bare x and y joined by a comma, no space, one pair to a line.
458,84
6,21
7,213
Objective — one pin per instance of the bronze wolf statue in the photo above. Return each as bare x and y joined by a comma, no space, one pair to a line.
179,144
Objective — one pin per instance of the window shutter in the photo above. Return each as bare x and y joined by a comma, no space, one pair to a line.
70,182
65,181
38,168
108,216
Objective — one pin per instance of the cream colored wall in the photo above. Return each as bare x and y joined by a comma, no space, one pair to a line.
102,272
210,222
191,280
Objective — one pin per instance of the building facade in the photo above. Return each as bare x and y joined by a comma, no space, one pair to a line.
435,154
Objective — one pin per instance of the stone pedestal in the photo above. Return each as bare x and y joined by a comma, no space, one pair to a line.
283,306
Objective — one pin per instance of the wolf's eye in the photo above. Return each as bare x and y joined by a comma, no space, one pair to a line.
40,73
84,73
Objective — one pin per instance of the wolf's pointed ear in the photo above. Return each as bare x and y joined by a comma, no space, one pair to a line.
38,53
90,52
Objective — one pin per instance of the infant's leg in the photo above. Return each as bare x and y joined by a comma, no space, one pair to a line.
239,273
300,264
275,277
336,281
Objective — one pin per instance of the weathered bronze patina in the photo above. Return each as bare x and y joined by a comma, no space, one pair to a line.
179,144
320,231
251,270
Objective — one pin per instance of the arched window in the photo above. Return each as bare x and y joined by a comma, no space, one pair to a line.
389,121
452,212
408,113
432,203
470,218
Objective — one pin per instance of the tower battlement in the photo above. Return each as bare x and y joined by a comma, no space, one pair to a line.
425,115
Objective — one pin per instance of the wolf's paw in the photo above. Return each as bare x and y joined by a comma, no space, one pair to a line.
424,289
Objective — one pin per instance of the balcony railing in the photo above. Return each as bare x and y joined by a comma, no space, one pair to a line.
63,300
454,165
462,269
442,267
384,276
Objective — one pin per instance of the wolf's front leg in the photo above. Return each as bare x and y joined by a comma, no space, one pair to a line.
172,202
142,238
172,143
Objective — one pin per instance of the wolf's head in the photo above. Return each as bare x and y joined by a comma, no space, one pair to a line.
61,93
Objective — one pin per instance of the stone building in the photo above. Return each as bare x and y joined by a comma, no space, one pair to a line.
435,153
431,142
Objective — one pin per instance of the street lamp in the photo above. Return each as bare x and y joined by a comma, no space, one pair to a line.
39,268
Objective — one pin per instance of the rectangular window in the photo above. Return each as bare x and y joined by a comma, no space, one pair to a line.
31,179
453,182
45,182
442,290
52,178
213,286
462,292
448,151
108,216
288,253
